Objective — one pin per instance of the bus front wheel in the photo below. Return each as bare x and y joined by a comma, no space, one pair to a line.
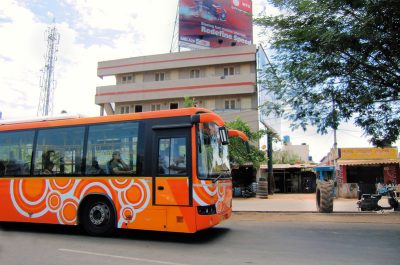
98,217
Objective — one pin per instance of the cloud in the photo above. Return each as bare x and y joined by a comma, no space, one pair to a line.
20,55
104,14
22,51
77,64
94,31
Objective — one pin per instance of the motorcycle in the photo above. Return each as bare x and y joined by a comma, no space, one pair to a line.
245,191
369,202
248,192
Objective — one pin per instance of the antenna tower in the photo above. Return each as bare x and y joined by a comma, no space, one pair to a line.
175,34
47,82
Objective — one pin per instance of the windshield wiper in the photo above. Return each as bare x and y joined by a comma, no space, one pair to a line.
223,174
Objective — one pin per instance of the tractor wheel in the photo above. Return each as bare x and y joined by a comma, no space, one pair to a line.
325,196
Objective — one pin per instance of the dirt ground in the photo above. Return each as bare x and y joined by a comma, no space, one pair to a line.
373,217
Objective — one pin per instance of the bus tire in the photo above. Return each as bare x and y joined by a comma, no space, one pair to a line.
324,196
97,216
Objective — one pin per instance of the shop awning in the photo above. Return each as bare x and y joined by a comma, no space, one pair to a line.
356,162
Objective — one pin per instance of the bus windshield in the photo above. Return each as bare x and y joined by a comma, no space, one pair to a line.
213,159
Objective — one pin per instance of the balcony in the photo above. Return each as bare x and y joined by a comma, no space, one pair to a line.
169,89
198,58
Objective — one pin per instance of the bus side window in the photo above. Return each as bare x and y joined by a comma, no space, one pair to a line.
111,147
16,152
59,151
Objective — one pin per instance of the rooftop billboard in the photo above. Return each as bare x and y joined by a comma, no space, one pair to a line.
215,23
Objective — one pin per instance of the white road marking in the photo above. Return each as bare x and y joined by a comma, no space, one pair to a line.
119,257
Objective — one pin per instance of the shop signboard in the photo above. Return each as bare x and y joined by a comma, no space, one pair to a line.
368,153
215,23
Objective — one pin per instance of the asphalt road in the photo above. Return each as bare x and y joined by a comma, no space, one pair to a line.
245,239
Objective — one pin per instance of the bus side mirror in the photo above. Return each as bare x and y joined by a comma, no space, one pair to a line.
223,135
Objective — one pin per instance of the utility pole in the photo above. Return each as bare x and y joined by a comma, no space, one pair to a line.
271,179
47,83
335,147
334,132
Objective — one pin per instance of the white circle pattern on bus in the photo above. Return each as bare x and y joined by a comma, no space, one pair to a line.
33,198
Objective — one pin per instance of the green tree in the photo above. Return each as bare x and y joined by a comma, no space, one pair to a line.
336,60
188,102
237,150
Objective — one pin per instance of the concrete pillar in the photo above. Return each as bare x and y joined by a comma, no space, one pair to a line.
109,109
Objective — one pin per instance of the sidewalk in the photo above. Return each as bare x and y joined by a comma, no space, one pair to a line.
292,203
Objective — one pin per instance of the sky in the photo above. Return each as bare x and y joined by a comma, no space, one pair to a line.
98,30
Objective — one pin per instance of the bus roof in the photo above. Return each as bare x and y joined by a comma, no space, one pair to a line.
43,118
68,120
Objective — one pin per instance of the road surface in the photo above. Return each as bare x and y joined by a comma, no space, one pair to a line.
247,238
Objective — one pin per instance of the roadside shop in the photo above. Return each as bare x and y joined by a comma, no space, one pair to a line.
296,178
366,167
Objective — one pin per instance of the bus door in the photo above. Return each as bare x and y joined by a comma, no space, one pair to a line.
171,166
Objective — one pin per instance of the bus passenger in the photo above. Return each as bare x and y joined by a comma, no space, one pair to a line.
117,165
48,164
95,169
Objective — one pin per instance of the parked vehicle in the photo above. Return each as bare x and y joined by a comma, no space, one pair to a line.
245,191
326,185
369,202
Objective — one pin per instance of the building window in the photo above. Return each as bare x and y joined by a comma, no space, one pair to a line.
229,70
159,76
127,79
195,73
173,105
230,104
155,107
138,108
125,109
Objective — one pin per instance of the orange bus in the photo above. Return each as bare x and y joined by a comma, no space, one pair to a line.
163,171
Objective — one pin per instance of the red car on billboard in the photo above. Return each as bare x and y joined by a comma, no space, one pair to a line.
215,23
